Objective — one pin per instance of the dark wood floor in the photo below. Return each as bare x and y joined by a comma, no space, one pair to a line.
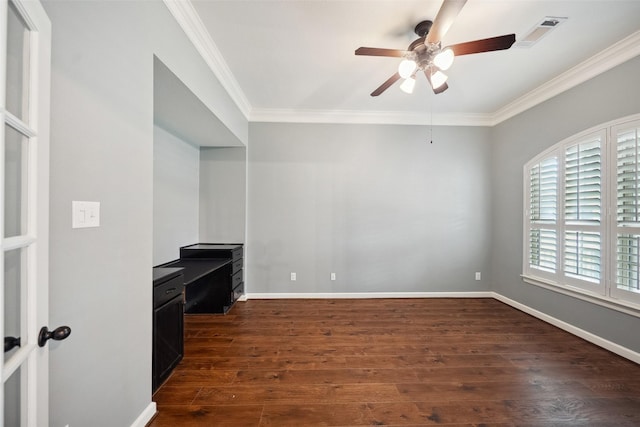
392,362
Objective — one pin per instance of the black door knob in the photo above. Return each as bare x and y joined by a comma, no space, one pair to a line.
58,334
10,342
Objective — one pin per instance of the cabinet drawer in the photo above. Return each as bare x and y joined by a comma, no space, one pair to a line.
236,279
237,266
237,253
238,291
167,290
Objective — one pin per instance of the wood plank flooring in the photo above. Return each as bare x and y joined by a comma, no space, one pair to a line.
455,362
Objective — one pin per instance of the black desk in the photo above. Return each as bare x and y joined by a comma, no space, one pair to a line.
213,276
208,286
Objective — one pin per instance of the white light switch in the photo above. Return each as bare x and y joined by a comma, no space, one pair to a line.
85,214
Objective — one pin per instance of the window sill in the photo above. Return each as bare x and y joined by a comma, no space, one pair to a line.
602,300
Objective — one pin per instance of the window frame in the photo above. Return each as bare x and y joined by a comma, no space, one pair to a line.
605,290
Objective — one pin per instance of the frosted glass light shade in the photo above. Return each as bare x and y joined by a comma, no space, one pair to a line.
408,85
438,79
444,59
406,68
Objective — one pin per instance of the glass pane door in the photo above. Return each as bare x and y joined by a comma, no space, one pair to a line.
25,31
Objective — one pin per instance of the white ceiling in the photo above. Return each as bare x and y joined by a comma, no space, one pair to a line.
296,58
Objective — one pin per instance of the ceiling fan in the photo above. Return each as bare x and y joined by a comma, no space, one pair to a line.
426,54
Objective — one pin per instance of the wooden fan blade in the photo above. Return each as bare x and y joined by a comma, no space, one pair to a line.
375,51
484,45
440,89
384,86
445,17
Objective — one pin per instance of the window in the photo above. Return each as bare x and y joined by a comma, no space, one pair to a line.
582,215
626,228
543,178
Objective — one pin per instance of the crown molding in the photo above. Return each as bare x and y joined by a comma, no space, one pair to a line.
609,58
368,117
189,20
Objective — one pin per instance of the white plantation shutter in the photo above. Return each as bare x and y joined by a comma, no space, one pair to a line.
544,191
627,178
543,249
582,209
627,262
543,210
582,258
583,189
627,242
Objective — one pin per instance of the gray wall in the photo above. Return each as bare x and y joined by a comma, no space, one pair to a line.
223,183
102,150
176,175
377,204
609,96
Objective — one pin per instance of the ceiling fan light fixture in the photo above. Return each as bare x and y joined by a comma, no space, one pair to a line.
406,68
408,84
425,54
438,78
444,58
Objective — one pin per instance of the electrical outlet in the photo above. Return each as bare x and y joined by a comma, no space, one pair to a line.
333,276
478,275
293,276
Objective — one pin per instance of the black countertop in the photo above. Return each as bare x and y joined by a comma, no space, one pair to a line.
213,246
195,268
162,274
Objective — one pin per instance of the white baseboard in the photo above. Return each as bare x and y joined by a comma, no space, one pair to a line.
588,336
145,416
365,295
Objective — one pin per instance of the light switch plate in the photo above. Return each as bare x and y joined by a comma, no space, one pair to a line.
85,214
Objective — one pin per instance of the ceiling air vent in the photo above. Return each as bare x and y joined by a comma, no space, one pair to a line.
540,30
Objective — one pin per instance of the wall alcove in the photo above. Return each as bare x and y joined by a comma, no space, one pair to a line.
199,182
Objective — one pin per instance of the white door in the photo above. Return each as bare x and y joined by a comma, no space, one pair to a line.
25,46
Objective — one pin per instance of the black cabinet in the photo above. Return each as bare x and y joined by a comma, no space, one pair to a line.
168,323
213,276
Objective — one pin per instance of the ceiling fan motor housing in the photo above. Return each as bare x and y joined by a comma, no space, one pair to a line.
422,53
422,29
